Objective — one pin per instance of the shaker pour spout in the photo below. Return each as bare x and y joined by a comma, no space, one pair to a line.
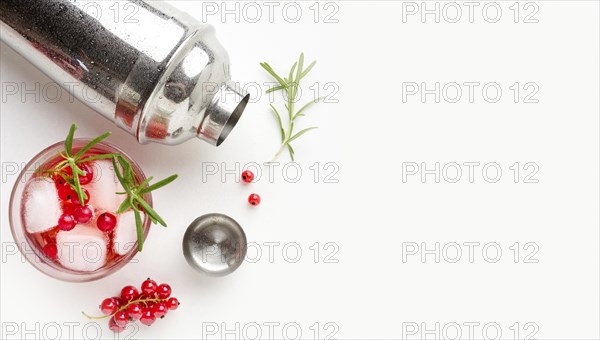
223,113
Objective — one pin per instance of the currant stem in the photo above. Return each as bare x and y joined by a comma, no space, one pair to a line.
145,301
96,317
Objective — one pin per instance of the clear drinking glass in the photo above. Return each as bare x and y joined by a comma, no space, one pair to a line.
30,244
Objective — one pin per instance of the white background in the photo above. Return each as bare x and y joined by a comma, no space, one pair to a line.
371,215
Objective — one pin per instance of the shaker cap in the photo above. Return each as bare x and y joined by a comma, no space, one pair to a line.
214,244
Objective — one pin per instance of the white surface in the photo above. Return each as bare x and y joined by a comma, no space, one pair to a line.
371,218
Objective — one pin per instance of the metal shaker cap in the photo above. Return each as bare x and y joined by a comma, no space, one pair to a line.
215,244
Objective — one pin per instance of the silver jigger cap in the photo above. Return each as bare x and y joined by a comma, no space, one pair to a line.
214,244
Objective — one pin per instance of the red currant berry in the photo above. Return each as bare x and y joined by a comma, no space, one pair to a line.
149,287
66,222
129,293
159,310
147,317
69,208
83,214
50,235
148,303
50,250
89,174
106,222
58,180
163,291
65,192
75,197
121,318
112,325
134,311
254,199
109,306
172,303
120,302
247,176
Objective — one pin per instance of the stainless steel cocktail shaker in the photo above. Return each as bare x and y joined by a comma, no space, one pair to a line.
151,69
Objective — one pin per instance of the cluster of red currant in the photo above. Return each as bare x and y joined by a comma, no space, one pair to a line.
152,303
248,177
73,211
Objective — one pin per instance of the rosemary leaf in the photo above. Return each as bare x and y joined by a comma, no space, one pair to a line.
278,116
300,133
276,88
159,184
80,193
139,228
300,66
97,157
151,212
120,176
144,184
305,72
91,144
291,151
128,176
124,206
299,113
269,69
291,75
69,140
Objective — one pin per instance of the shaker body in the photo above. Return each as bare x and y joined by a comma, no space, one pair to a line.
151,69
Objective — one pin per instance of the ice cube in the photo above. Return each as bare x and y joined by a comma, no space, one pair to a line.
82,249
125,234
104,186
42,205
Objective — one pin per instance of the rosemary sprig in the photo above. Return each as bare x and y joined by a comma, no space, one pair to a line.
72,161
135,192
290,85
